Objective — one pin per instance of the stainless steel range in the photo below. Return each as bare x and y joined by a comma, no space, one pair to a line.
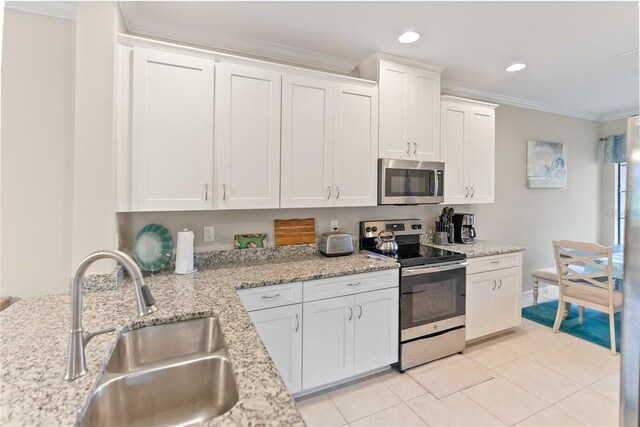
432,291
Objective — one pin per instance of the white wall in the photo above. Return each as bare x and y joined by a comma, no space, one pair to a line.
94,225
37,146
528,217
608,207
534,217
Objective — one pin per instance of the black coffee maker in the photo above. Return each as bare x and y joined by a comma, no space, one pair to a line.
463,228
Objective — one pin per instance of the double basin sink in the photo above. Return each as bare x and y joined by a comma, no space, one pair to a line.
161,375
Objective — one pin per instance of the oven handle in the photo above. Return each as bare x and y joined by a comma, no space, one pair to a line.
425,270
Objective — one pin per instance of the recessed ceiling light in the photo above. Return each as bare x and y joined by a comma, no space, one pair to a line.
515,67
408,37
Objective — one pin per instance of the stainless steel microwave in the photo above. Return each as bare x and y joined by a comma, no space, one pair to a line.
410,182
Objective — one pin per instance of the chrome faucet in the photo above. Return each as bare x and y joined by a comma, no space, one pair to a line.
78,339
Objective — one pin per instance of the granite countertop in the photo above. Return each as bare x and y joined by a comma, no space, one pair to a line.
34,334
481,248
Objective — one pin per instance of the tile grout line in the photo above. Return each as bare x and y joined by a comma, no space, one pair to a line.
338,409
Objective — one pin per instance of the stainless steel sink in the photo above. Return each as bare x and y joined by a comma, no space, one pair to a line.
172,374
146,347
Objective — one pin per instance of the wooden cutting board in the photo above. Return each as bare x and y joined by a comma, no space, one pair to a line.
294,231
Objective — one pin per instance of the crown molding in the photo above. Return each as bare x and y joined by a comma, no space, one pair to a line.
524,103
617,115
53,9
248,46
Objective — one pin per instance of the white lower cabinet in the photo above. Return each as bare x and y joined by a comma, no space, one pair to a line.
280,329
493,301
349,335
376,330
323,331
328,341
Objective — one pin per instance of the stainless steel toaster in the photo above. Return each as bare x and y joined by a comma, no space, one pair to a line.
336,243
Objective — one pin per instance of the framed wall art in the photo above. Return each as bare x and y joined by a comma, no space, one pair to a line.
546,164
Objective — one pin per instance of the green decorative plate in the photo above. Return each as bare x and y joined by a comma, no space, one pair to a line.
153,247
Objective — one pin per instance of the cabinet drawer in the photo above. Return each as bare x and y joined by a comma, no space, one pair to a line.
494,262
348,285
271,296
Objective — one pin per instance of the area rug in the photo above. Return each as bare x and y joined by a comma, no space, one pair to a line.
449,375
595,327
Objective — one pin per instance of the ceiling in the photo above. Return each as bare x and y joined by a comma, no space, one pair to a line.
572,49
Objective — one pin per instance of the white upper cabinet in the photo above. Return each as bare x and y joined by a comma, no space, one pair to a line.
205,130
307,142
247,137
329,143
171,131
355,171
409,119
468,150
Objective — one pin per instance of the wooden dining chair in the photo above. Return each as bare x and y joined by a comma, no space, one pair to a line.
586,282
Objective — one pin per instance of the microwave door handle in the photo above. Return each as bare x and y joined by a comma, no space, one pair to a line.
425,270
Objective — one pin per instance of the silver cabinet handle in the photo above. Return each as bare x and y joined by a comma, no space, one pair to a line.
415,149
337,191
360,307
494,285
206,192
408,148
297,323
329,189
354,284
472,191
224,192
270,297
350,313
500,285
495,262
466,194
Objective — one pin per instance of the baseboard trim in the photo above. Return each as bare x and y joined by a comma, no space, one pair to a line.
333,385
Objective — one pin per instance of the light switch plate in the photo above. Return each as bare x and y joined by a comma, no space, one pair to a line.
335,224
209,233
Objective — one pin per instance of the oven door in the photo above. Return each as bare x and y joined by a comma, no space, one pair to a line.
432,299
402,182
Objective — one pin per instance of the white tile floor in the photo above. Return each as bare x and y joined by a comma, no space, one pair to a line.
541,379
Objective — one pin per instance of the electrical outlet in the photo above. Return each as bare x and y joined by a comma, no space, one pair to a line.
334,224
209,233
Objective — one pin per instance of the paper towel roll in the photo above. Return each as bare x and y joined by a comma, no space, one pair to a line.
184,252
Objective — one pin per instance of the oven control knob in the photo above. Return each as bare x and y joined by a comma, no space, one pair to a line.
368,229
374,229
416,226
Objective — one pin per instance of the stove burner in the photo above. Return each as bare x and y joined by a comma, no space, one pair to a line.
411,255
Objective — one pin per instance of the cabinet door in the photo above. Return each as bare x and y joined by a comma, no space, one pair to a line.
481,155
376,329
247,137
172,131
327,349
424,107
395,133
479,317
455,131
280,329
506,298
307,142
355,146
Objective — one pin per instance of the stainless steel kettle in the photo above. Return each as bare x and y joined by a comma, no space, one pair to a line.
386,244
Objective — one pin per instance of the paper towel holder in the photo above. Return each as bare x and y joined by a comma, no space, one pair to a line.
184,252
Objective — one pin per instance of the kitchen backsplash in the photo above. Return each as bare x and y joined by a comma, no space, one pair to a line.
229,223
